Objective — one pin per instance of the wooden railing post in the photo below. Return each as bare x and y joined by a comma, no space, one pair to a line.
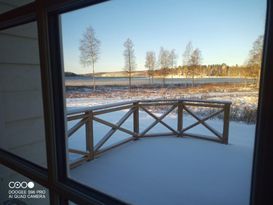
226,123
180,118
89,135
136,117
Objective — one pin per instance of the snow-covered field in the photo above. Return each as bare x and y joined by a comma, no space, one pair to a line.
244,99
169,170
238,99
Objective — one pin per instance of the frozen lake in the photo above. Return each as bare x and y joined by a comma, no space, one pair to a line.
122,81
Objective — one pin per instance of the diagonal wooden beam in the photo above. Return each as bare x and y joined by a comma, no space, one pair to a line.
202,120
215,132
160,121
157,120
115,126
113,130
75,151
114,145
76,127
77,162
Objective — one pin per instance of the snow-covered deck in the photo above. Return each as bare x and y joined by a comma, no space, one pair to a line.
172,170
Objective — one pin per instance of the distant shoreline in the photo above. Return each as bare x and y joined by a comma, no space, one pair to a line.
85,81
142,74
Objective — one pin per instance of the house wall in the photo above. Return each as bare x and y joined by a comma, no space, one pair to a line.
22,123
21,109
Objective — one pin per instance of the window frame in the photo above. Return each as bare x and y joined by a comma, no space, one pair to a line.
47,14
262,169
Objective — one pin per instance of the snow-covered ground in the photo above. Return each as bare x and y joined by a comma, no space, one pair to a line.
244,98
170,170
243,107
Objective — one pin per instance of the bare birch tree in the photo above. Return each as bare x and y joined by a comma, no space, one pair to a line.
129,57
89,48
172,58
255,56
187,54
150,64
186,58
195,62
164,63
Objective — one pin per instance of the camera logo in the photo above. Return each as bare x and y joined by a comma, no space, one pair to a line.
20,185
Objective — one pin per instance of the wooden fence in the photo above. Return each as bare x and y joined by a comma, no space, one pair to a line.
87,117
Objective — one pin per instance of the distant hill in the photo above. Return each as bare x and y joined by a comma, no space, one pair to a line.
121,74
70,74
141,73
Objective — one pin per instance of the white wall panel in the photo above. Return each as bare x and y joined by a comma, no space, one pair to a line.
18,77
21,122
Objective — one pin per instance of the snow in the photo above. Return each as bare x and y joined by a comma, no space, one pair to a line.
244,99
170,170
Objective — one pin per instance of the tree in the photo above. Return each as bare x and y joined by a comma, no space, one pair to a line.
150,64
186,58
172,59
195,62
255,56
187,54
129,58
164,62
89,48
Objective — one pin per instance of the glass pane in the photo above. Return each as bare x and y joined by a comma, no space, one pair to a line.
20,190
201,57
21,104
7,5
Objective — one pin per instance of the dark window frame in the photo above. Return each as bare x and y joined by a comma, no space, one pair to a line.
62,189
262,169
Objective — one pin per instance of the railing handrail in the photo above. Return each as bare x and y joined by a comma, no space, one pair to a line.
99,107
112,105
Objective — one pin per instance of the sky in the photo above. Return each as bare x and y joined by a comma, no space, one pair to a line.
223,30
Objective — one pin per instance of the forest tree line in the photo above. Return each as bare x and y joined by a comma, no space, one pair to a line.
214,70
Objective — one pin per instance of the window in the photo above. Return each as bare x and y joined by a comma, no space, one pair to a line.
54,177
127,58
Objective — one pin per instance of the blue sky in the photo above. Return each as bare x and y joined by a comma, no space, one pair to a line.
223,30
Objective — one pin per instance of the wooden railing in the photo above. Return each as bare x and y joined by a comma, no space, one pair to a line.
87,117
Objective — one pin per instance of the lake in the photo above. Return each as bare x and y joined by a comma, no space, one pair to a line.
123,81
